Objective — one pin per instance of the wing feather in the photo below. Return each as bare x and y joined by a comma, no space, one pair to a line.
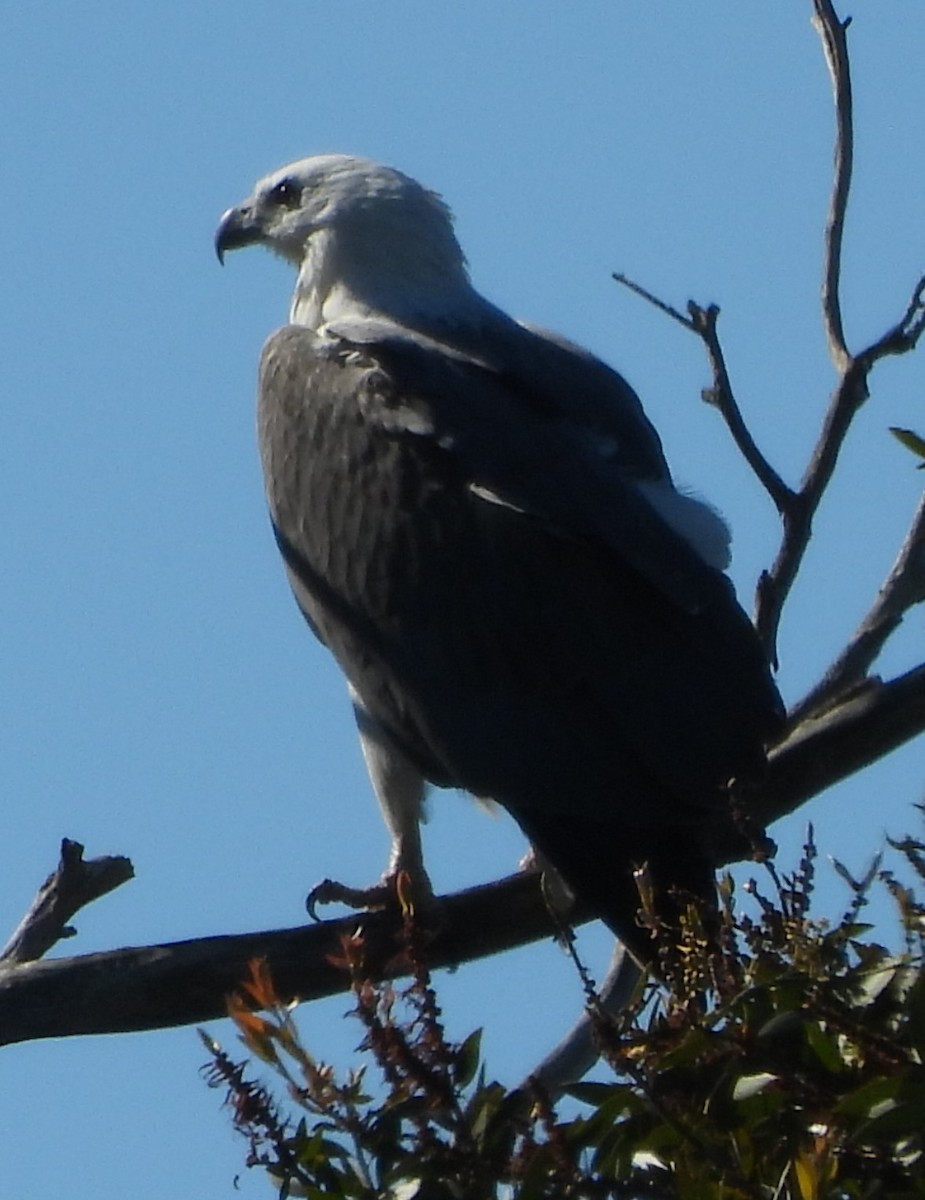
487,579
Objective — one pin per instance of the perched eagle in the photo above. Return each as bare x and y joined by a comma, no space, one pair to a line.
478,521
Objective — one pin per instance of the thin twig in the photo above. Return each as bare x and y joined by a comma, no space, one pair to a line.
797,509
72,885
774,585
667,309
904,335
721,396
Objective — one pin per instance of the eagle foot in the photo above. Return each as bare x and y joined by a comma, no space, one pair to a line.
392,891
329,891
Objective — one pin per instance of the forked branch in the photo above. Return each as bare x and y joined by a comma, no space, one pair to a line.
852,388
797,507
702,321
73,885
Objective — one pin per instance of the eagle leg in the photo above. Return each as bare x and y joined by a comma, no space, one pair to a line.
399,788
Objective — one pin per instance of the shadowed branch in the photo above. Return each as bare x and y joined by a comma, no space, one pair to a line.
902,588
183,983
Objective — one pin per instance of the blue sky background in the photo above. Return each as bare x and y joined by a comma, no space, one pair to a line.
161,696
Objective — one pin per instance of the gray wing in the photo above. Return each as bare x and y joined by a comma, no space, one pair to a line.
508,606
461,535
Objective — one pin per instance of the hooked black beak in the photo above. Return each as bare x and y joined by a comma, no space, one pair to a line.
238,227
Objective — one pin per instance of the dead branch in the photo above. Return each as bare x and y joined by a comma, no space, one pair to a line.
858,729
578,1051
850,393
852,388
702,321
71,886
668,309
902,588
721,396
798,508
183,983
904,335
832,32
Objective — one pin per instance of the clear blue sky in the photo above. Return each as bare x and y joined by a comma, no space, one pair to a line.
161,696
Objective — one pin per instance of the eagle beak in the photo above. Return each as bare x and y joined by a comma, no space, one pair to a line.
238,227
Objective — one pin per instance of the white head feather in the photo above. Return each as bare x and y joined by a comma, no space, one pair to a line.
368,242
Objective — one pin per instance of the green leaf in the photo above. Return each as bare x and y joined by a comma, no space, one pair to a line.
591,1092
824,1046
874,982
751,1085
911,440
406,1190
895,1120
695,1045
867,1098
481,1110
467,1059
915,1021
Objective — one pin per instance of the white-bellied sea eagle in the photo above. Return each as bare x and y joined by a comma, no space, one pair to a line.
478,521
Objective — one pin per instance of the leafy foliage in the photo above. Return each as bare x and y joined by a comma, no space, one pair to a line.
780,1058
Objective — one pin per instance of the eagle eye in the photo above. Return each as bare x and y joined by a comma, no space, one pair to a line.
286,194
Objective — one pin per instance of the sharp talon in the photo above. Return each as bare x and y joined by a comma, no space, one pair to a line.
316,897
329,891
381,895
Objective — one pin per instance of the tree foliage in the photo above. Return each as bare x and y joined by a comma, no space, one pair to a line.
784,1059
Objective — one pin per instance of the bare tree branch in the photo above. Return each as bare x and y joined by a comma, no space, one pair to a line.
902,588
774,585
71,886
851,390
849,395
578,1051
183,983
820,751
798,508
652,299
721,396
904,335
832,31
702,321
